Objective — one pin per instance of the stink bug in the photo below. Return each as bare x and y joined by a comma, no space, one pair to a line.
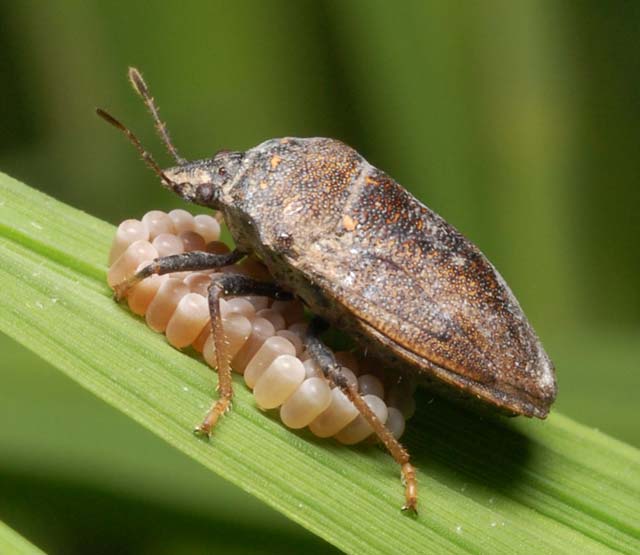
365,256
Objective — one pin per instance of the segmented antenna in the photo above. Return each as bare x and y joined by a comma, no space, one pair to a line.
141,88
148,159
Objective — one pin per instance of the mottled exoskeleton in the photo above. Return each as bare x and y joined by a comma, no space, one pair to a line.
367,257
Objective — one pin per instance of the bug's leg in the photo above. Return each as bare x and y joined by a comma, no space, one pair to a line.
185,262
227,285
327,363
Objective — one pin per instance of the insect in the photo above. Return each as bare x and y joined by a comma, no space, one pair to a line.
365,256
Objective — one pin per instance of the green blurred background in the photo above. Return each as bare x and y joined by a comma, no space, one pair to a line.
519,122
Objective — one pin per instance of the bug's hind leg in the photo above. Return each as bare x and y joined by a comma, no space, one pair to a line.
185,262
227,285
327,363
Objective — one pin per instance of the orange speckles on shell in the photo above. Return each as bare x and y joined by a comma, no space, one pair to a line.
275,161
348,222
263,184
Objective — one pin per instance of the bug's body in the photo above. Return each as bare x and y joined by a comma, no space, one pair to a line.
367,256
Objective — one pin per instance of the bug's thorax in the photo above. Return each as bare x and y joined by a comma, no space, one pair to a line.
289,192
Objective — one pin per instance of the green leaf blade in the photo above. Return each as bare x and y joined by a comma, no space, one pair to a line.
14,544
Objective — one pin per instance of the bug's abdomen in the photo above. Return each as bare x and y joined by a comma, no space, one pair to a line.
432,295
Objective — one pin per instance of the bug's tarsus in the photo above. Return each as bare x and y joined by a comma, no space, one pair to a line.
140,86
408,473
226,285
327,363
145,155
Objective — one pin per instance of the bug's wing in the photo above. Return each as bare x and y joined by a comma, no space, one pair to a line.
406,273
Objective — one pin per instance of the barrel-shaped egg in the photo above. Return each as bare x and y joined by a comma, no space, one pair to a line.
261,330
274,317
167,244
128,232
309,400
279,381
236,330
128,262
164,303
271,349
192,241
182,221
258,301
188,320
395,422
140,296
237,305
207,227
294,339
157,222
335,417
359,428
400,396
368,384
198,282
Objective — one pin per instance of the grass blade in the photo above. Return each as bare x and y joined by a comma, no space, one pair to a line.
13,543
488,485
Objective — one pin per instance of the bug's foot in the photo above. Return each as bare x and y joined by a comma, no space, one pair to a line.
120,291
411,507
202,432
411,489
221,407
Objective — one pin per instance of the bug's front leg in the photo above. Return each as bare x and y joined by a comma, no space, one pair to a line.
229,285
331,369
186,262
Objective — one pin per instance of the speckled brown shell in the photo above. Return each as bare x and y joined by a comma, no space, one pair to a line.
366,255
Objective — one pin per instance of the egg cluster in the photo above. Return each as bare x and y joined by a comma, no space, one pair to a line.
263,338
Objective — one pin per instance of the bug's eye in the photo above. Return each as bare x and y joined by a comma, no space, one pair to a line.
222,171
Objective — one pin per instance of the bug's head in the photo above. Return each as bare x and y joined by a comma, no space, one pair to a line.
198,182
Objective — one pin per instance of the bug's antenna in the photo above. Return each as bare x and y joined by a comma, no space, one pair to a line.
148,159
141,88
